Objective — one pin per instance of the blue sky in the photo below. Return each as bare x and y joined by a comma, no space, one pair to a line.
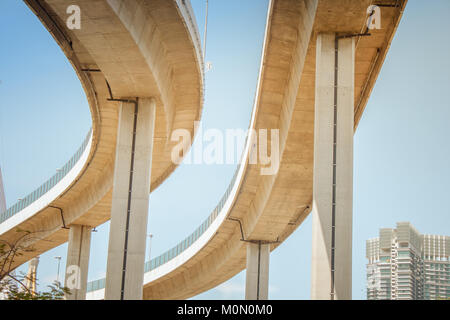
402,148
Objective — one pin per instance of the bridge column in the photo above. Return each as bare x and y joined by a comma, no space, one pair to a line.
77,264
30,282
129,211
257,274
331,272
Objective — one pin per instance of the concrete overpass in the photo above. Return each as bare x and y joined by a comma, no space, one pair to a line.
124,51
270,208
297,89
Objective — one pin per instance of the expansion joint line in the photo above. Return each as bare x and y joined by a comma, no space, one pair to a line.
295,222
259,270
333,201
240,227
335,128
62,216
252,241
130,189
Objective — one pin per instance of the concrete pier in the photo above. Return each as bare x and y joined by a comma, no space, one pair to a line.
257,274
77,264
30,280
129,212
331,273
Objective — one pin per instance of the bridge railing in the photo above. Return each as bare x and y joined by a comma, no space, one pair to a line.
191,23
48,185
187,242
181,246
96,285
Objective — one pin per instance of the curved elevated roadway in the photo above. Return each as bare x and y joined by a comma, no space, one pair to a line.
270,208
124,49
254,207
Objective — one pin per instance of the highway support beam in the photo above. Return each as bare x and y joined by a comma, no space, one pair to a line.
77,263
30,282
129,210
331,272
257,274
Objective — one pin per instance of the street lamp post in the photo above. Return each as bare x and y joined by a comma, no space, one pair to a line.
57,274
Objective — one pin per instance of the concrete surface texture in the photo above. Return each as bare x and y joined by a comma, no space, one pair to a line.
257,271
268,208
333,169
129,212
77,263
271,207
146,49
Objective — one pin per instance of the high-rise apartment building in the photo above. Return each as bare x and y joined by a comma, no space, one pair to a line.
406,265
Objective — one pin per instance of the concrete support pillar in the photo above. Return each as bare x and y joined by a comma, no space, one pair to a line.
129,212
30,282
77,264
257,276
331,272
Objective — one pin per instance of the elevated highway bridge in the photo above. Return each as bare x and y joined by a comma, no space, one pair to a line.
141,66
